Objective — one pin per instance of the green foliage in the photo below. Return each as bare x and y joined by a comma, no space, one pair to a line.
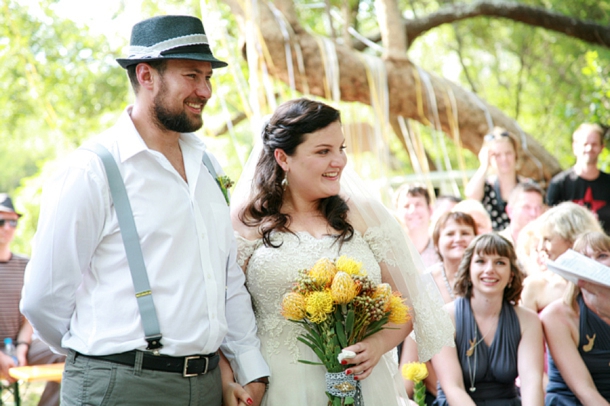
532,74
61,83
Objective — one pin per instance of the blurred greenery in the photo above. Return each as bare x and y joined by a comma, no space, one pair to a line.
62,85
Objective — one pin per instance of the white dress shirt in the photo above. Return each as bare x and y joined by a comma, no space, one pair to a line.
78,292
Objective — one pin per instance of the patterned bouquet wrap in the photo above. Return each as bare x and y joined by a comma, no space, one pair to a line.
338,306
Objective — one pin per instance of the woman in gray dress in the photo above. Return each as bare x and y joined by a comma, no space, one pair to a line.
496,340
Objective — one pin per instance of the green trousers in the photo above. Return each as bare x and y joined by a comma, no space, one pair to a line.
92,382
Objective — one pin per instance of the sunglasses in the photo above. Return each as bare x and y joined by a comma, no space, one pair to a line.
12,223
491,137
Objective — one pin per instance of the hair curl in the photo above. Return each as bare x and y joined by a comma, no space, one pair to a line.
490,244
286,130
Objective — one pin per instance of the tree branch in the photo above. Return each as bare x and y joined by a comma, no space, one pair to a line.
238,118
587,31
407,91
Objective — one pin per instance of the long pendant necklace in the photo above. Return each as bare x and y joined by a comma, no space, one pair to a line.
472,350
447,285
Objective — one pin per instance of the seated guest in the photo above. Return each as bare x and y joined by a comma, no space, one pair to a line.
412,205
29,350
597,298
442,204
496,340
476,210
496,177
529,258
558,228
578,340
526,204
452,234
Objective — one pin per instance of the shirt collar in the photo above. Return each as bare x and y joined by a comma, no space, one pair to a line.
130,143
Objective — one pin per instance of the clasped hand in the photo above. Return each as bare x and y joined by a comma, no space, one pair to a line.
368,353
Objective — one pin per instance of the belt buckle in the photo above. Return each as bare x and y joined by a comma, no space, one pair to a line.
186,365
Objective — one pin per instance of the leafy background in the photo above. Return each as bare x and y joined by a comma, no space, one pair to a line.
61,85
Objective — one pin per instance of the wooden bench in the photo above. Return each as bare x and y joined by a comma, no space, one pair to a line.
49,372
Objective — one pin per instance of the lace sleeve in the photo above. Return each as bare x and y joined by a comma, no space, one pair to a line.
401,263
245,248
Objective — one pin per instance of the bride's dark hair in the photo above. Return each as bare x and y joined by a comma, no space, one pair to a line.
286,130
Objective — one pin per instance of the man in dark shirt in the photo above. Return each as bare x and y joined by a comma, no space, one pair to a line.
584,183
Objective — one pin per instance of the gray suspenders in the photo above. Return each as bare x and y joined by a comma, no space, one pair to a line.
131,240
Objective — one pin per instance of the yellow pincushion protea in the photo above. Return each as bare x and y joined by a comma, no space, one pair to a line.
323,272
399,312
319,305
349,266
415,371
343,288
293,306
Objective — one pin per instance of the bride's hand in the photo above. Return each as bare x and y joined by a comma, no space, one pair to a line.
233,394
368,352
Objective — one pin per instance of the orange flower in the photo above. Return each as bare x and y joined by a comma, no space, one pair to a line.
293,306
399,312
343,288
322,272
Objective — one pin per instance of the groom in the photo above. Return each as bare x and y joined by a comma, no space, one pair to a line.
79,294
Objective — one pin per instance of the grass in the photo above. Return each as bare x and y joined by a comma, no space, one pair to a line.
30,393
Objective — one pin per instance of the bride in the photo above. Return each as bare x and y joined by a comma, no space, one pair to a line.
299,208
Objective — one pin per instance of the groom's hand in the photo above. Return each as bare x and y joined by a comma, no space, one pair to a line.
256,391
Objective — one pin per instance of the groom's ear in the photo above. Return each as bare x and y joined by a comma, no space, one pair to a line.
281,158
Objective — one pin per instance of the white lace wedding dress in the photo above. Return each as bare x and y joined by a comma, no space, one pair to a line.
271,273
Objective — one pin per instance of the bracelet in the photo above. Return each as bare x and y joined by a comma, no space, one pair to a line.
22,342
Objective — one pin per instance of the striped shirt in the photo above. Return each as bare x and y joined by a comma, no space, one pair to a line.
11,283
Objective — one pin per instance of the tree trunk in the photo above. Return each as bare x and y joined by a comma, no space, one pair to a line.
406,86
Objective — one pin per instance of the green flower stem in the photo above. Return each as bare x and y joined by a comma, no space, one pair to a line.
419,393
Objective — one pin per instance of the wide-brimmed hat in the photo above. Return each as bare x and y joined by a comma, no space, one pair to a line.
169,37
6,204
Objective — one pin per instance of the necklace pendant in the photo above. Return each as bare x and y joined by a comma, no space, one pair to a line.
472,389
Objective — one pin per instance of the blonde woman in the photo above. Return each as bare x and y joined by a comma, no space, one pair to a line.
499,156
557,228
578,340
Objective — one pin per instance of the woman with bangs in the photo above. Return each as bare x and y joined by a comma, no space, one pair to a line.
452,234
496,339
578,339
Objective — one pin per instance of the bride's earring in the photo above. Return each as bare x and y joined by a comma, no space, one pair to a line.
285,181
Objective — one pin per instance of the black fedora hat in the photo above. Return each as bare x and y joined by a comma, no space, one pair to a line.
169,37
6,204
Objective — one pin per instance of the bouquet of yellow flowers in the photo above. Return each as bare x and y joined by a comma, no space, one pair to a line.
338,306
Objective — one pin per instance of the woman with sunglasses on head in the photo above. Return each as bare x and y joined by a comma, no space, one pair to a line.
499,153
578,339
496,339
